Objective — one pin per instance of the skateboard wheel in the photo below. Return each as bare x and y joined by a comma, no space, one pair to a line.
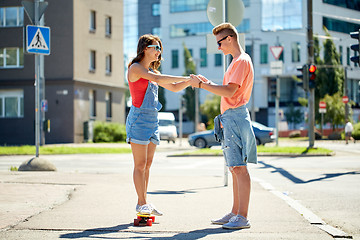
149,222
136,222
152,218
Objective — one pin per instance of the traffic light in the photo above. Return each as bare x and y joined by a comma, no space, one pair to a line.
272,88
312,76
355,47
303,76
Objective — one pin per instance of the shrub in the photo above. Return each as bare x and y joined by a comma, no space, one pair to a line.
356,132
109,132
294,134
335,136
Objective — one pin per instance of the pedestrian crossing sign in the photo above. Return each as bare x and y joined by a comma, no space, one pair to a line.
38,39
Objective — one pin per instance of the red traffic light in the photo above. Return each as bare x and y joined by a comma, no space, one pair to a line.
312,68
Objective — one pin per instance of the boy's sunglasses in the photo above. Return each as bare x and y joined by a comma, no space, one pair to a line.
157,47
219,42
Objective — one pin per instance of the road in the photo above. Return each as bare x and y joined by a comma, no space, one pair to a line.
327,186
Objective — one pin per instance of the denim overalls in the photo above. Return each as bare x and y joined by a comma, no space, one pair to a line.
142,123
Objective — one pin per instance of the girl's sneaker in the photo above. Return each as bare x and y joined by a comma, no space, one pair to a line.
145,209
155,211
224,219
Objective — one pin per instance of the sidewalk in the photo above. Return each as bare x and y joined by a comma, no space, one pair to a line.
59,205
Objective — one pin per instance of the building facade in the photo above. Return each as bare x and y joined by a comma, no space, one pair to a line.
186,22
83,74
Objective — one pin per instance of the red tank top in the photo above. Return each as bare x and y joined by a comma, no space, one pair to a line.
137,91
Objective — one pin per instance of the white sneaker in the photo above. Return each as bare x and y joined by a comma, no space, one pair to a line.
224,219
155,211
146,209
237,222
137,208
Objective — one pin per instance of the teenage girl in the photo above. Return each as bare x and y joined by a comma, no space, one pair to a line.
142,122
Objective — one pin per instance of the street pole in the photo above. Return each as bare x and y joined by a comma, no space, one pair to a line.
224,19
277,101
311,101
37,86
346,94
181,120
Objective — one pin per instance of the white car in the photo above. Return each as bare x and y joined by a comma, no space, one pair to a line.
167,128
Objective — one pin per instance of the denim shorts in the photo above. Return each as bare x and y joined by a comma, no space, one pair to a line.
238,144
142,126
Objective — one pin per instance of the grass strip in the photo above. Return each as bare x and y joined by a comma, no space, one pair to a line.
48,150
269,150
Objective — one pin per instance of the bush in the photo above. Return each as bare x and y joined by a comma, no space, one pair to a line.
295,134
335,136
356,132
109,132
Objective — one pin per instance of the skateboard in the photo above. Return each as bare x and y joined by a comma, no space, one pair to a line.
144,220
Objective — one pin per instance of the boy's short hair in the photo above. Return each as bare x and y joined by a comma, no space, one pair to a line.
226,29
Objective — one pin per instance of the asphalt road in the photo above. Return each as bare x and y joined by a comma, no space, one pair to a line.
328,186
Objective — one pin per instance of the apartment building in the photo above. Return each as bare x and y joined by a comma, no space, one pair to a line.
265,24
84,74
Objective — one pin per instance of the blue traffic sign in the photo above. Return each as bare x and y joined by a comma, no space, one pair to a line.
38,39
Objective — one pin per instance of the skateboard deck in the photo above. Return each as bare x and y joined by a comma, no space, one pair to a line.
144,220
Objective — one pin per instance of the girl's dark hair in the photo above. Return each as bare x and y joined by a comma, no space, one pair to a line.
144,41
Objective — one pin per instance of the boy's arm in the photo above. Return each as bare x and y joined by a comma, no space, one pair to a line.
221,90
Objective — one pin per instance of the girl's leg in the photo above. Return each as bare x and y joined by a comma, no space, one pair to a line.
140,156
150,156
243,186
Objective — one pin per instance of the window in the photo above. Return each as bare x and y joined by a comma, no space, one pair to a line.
340,26
263,54
355,5
187,5
348,56
92,103
12,17
244,27
11,58
246,3
341,54
295,52
218,59
203,56
281,58
108,102
191,29
92,21
12,104
281,15
174,58
248,50
156,31
108,64
156,9
92,65
108,26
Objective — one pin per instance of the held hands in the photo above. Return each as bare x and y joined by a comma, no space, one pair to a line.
197,80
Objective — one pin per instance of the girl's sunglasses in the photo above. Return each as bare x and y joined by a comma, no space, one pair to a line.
157,47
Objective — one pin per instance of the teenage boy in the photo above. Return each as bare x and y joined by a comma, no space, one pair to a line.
238,141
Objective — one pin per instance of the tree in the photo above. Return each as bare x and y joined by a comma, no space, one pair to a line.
293,115
335,110
329,77
211,108
189,96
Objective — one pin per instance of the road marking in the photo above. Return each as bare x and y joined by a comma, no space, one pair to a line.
306,213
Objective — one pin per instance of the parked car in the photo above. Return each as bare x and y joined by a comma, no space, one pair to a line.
263,134
167,128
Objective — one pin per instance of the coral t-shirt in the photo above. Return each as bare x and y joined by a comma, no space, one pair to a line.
240,72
